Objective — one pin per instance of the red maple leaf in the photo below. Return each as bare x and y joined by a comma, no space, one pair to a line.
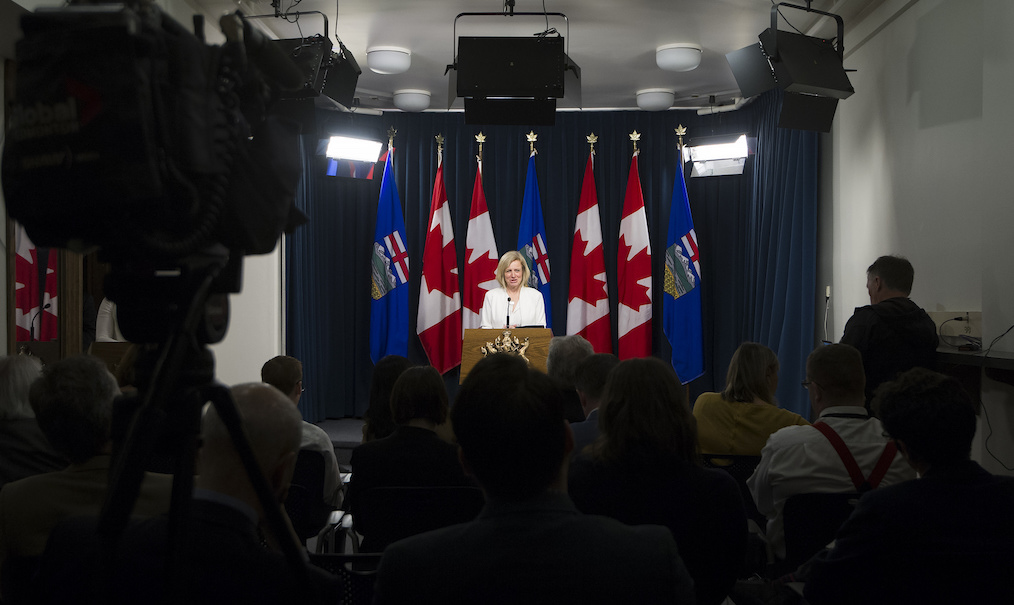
584,269
443,277
629,272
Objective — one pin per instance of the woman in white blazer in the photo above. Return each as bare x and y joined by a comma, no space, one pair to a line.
513,304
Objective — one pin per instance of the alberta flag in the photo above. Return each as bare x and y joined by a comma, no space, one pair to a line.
532,238
681,303
389,290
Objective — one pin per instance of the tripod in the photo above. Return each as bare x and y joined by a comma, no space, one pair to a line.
176,378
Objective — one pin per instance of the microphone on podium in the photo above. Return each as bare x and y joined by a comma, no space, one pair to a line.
508,324
31,324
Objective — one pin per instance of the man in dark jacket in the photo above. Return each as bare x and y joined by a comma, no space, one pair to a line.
892,333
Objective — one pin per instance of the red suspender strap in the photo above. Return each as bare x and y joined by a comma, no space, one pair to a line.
883,464
843,452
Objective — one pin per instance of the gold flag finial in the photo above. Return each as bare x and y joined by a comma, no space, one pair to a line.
532,137
440,147
592,139
390,137
681,131
480,139
634,138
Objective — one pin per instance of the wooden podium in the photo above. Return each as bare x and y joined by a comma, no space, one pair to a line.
475,339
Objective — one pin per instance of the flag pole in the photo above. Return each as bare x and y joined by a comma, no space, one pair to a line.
440,148
592,139
532,137
634,138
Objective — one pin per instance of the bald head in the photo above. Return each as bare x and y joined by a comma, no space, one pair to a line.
272,426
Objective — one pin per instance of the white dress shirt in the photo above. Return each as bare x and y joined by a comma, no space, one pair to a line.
800,459
529,310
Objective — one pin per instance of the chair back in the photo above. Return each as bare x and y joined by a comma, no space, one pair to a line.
740,468
388,514
305,503
18,576
811,521
357,573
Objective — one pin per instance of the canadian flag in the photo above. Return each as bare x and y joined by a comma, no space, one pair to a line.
439,320
481,257
588,302
633,273
32,320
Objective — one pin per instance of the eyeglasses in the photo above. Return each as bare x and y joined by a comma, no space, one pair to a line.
806,384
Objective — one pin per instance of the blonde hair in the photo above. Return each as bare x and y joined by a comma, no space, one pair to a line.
505,261
749,374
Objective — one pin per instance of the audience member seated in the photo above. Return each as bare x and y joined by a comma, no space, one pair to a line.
565,353
740,419
221,556
286,374
73,403
590,381
24,450
892,333
644,468
945,538
530,544
378,422
800,459
413,455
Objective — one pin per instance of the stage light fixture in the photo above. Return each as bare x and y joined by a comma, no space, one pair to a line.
810,70
717,155
513,79
355,149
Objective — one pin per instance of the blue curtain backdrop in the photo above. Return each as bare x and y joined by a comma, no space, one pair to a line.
757,234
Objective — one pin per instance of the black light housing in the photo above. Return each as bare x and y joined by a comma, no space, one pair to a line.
810,70
512,80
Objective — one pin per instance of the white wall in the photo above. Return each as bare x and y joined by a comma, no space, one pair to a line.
919,167
255,327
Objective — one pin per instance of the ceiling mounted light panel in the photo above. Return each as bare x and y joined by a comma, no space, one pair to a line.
678,57
655,99
412,100
388,59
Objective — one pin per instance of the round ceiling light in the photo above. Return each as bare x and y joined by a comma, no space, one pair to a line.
388,59
678,57
412,100
655,99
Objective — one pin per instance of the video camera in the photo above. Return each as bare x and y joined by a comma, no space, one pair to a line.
132,136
